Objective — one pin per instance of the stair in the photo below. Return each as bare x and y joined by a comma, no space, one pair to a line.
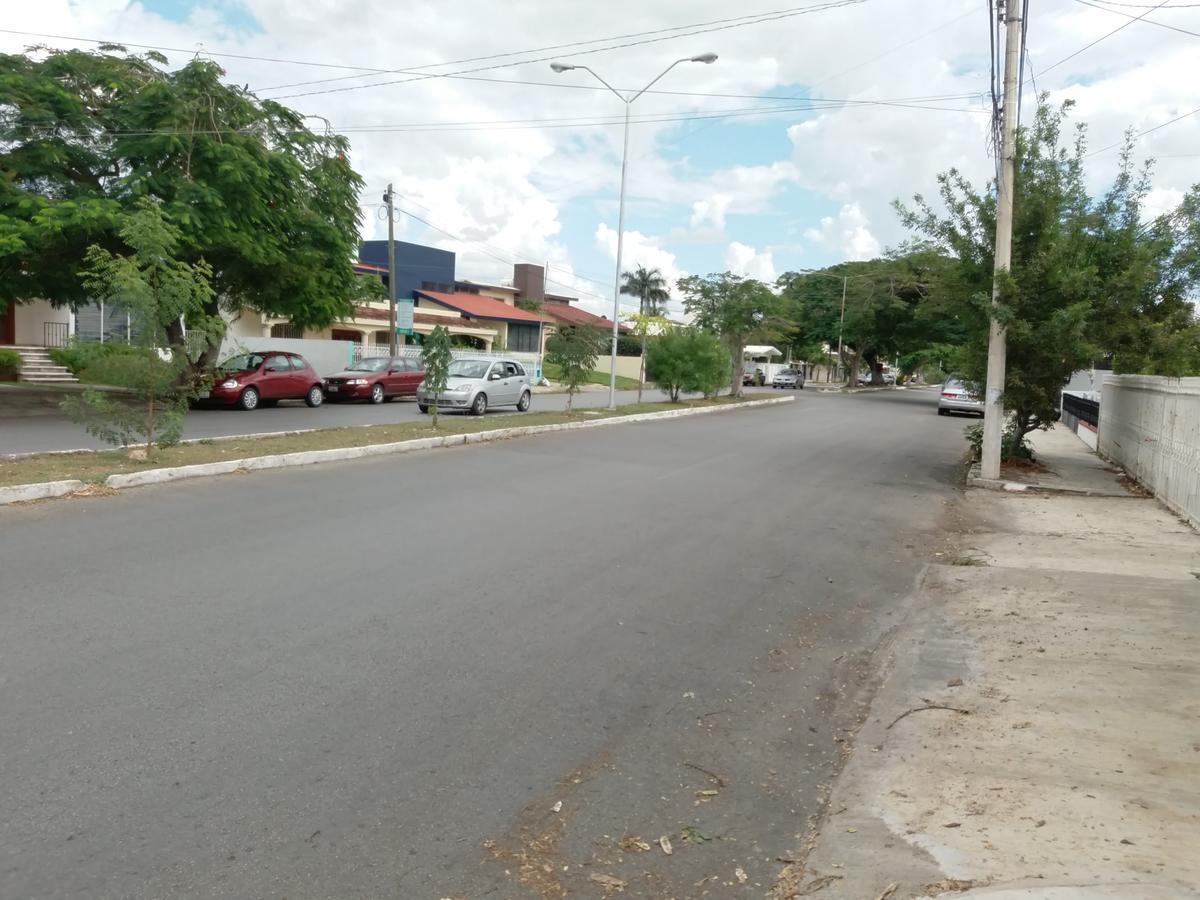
38,368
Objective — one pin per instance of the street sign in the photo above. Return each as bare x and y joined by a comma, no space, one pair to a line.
404,317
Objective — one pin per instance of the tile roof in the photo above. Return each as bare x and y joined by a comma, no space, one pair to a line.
566,314
480,307
370,312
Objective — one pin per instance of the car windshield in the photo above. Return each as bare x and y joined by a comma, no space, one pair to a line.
469,368
245,363
953,384
374,364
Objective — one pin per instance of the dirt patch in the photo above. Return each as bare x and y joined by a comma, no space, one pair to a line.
1134,487
1024,466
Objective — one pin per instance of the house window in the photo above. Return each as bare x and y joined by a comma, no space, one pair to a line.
522,338
287,330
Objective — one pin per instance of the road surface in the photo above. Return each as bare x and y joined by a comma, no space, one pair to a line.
33,434
463,673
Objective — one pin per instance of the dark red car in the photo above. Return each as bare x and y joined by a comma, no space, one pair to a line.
376,378
264,378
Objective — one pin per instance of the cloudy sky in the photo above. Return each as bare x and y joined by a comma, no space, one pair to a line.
784,154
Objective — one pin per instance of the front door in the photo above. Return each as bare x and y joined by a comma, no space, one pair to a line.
8,324
276,379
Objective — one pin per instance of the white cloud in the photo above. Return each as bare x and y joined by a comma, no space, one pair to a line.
742,259
642,250
849,234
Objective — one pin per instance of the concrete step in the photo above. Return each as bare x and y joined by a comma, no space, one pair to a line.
47,379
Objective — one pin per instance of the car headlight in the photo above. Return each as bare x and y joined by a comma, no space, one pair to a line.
357,381
460,389
230,384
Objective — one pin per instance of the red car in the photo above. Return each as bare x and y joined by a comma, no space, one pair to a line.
376,378
264,378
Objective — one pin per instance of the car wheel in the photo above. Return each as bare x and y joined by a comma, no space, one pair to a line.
479,404
377,393
941,412
422,407
523,405
315,396
249,399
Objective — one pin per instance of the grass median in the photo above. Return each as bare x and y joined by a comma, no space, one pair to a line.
554,373
95,467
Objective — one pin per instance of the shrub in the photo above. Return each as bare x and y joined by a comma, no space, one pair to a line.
79,356
574,351
684,360
974,434
10,364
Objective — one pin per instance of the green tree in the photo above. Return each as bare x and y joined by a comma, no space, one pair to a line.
270,205
651,289
574,350
643,326
158,291
687,360
1048,294
738,310
436,358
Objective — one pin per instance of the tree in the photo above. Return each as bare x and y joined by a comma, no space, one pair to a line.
1087,278
574,350
158,291
644,325
269,205
738,310
687,360
649,286
436,358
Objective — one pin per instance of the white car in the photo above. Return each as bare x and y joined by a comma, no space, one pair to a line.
956,398
475,384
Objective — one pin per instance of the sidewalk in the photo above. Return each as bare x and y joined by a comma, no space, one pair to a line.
1036,734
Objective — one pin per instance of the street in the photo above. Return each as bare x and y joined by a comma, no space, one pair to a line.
380,679
34,434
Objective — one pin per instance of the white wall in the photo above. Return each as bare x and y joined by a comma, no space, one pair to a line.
31,319
1150,426
327,357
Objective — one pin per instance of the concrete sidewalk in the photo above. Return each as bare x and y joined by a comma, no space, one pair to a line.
1036,733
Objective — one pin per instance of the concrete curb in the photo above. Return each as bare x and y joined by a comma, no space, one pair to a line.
311,457
1017,487
21,493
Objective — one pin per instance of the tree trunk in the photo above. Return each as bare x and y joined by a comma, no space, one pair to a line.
642,369
570,397
739,366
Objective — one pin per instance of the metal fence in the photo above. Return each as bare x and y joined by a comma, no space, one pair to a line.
1081,408
55,334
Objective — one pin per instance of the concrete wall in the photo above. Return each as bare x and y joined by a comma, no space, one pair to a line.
1150,426
628,366
31,318
327,357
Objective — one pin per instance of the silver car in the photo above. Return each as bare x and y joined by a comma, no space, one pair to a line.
957,398
788,378
478,383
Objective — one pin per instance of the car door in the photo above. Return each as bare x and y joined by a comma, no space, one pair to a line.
302,378
411,376
498,387
276,380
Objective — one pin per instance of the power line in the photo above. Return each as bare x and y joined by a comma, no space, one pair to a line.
795,10
833,4
1117,12
1143,133
1102,38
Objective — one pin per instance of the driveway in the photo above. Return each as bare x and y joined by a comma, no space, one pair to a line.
493,671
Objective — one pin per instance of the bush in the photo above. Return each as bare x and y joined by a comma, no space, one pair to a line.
684,360
10,364
79,356
974,434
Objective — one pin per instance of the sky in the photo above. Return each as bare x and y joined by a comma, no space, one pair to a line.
785,154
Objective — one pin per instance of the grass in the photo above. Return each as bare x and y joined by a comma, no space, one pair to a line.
95,467
554,373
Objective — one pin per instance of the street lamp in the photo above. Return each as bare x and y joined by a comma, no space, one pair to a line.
559,68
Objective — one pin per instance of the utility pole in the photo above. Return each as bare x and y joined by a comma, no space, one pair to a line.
389,199
993,409
842,324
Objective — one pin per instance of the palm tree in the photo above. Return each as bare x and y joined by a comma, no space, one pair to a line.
649,286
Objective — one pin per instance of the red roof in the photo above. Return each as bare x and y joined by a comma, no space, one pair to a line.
566,314
480,307
369,312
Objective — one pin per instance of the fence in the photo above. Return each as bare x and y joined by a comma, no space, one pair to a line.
1081,413
1150,426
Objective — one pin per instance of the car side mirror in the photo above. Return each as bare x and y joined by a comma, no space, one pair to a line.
495,376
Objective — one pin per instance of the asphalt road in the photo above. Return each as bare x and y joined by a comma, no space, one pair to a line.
35,434
379,679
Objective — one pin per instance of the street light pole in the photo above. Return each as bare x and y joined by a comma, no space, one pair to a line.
842,321
559,68
389,199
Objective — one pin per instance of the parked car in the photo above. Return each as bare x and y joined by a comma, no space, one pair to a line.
476,384
377,378
753,376
957,398
264,378
789,378
864,378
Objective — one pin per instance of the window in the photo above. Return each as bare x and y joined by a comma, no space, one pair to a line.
286,330
520,369
298,363
277,361
522,338
510,370
497,369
